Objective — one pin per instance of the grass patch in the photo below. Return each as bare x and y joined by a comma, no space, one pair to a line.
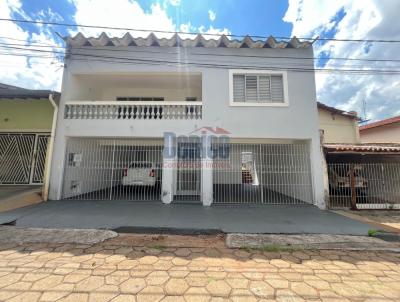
159,247
372,233
272,248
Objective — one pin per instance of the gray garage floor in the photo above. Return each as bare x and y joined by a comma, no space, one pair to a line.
155,217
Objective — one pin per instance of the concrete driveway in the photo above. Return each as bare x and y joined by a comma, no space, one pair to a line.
183,218
18,196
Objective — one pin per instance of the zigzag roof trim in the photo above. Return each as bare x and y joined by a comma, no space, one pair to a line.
176,41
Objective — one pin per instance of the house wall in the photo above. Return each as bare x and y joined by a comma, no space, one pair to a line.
338,128
297,121
26,115
383,134
107,88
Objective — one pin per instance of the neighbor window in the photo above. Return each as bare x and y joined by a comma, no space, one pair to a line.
258,88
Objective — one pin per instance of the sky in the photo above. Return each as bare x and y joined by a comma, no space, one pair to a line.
378,94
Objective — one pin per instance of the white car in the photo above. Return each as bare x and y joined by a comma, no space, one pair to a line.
140,174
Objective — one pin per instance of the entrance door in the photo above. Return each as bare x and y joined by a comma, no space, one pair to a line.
189,171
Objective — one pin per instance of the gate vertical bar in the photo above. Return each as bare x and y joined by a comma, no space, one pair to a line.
112,170
261,174
33,159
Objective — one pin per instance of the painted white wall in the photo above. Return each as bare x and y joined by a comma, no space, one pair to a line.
298,121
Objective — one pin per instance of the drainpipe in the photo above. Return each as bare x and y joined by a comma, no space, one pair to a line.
49,155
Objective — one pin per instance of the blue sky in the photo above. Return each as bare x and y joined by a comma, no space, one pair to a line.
237,15
376,19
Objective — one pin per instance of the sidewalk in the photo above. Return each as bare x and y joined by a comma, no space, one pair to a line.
159,268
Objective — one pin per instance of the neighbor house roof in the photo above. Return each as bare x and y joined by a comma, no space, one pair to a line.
176,40
351,114
362,148
384,122
14,92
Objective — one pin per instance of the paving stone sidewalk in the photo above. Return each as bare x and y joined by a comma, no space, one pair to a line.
120,270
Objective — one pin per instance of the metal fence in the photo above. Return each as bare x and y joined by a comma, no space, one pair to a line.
22,158
113,169
188,169
262,173
364,185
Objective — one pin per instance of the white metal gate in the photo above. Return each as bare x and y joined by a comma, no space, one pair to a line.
189,168
262,173
113,169
22,158
364,185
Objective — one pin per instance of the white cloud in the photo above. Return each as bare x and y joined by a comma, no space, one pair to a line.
46,72
174,2
34,72
213,33
361,20
125,13
212,15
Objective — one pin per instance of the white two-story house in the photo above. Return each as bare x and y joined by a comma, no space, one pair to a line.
188,120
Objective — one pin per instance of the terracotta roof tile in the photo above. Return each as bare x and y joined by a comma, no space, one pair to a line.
395,119
363,148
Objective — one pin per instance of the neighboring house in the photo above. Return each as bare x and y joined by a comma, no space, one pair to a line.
138,115
375,166
338,126
386,131
26,118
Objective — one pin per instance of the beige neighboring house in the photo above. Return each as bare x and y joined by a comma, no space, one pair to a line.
384,131
26,120
338,126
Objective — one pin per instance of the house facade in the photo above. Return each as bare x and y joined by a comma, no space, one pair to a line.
385,131
201,120
26,118
338,126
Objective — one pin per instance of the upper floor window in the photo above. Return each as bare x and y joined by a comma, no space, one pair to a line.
258,88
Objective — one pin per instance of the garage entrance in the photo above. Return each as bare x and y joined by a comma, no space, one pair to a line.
113,169
22,158
262,173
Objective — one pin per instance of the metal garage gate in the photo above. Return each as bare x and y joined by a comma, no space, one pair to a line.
262,173
365,185
22,158
113,169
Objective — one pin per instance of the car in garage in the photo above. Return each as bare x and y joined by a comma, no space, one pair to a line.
141,174
340,180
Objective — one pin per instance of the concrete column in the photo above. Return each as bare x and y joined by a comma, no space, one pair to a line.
317,169
169,165
206,172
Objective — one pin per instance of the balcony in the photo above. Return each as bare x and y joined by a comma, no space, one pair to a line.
131,110
134,96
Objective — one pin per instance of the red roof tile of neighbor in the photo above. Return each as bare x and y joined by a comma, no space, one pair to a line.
367,148
395,119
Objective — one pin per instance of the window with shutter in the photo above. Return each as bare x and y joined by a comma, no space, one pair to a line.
277,89
238,88
251,88
258,88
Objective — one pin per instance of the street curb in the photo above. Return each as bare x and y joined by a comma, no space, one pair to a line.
310,241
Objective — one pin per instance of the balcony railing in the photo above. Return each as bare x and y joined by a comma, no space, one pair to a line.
104,110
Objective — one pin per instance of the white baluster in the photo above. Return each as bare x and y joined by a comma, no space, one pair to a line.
80,111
